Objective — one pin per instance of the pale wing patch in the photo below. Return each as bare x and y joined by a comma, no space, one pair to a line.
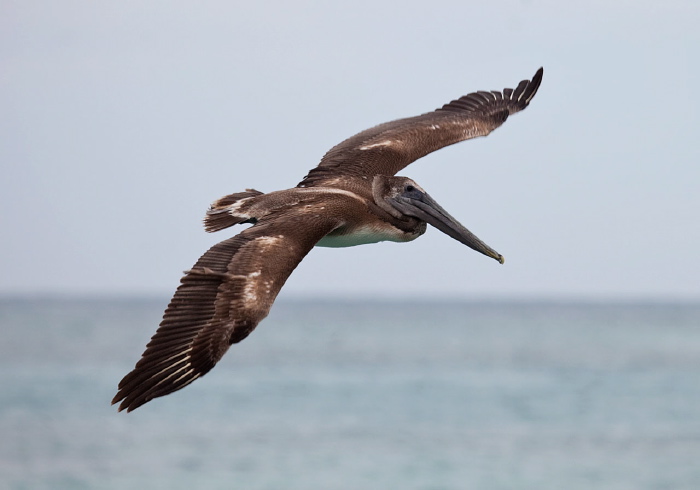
234,208
375,145
331,190
252,285
268,241
250,290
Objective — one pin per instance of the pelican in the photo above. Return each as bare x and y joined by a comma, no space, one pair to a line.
352,197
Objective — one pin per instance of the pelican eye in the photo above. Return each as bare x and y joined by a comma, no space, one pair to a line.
410,188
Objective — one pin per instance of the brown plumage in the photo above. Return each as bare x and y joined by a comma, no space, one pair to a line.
350,198
477,114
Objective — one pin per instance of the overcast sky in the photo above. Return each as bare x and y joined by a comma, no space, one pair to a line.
122,121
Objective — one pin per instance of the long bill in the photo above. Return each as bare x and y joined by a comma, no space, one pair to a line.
426,209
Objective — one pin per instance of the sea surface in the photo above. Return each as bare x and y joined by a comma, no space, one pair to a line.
360,395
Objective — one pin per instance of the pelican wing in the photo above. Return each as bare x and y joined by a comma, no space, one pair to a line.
389,147
219,302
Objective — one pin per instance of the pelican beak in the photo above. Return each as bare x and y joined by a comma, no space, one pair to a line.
420,205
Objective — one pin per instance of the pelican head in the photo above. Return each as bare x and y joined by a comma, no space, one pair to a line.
401,197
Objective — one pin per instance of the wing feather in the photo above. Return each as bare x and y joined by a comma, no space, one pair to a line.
389,147
219,302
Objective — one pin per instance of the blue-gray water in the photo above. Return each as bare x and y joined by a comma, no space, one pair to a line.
343,395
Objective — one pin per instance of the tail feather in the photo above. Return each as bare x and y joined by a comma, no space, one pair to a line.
229,211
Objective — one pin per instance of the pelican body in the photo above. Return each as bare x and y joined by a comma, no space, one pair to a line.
352,197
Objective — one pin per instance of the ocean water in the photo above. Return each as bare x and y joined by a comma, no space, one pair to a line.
360,395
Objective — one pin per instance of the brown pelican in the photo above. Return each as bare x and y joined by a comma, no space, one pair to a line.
352,197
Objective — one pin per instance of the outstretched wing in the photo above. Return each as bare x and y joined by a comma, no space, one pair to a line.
219,302
389,147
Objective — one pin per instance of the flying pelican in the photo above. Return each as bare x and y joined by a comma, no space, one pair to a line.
351,198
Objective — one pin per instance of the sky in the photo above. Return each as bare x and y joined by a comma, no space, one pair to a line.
122,121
